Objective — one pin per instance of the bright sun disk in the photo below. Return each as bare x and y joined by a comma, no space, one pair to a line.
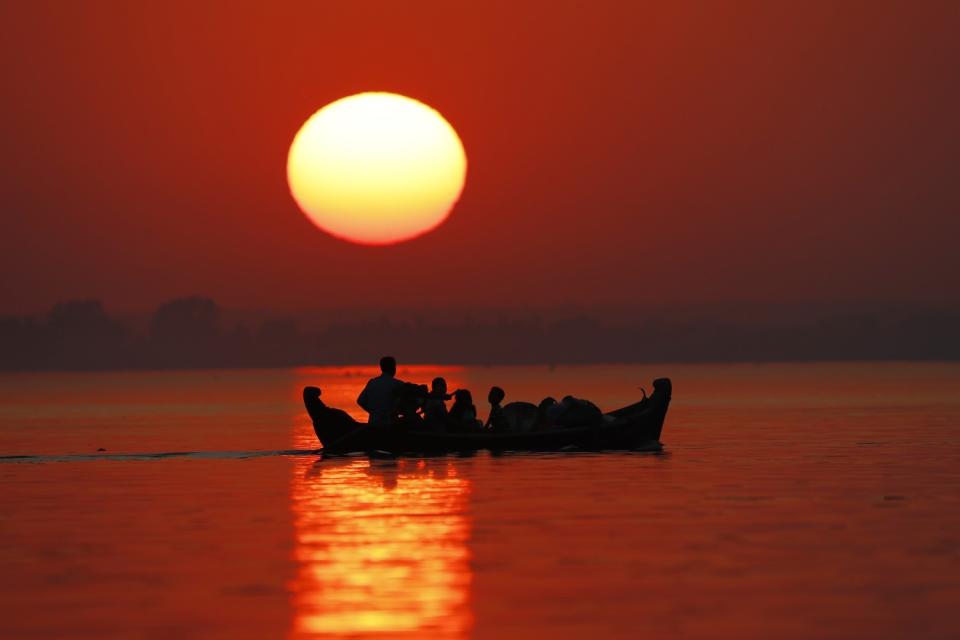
376,168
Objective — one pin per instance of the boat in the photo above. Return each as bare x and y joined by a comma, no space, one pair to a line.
635,427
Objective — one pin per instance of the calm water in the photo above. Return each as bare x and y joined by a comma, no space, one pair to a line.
792,501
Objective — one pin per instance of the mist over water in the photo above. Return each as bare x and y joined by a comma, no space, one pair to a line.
791,501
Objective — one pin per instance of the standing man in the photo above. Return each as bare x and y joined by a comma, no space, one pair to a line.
378,398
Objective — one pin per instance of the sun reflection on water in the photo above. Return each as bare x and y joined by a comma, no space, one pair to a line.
381,548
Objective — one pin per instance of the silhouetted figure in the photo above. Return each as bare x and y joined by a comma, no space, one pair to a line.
497,420
463,413
379,396
435,407
409,400
423,392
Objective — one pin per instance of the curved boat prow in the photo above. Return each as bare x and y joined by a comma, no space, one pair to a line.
663,386
662,392
329,424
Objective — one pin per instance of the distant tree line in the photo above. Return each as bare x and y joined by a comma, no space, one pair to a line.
192,333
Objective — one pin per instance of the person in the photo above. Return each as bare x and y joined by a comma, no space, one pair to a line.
463,413
423,392
497,420
435,407
378,398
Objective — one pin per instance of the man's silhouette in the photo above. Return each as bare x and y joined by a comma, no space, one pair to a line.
378,398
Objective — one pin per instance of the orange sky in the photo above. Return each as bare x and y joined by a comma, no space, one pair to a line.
619,152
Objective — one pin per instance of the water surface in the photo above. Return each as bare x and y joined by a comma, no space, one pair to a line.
791,501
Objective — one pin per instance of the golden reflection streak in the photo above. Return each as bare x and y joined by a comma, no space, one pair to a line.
381,548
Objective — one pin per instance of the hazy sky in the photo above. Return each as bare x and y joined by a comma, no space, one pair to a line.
618,152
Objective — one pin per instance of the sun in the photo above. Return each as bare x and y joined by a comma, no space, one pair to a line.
376,168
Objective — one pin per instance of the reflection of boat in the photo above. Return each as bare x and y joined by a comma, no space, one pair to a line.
634,426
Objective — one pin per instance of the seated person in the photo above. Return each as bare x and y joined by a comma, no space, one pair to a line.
435,405
377,397
423,392
463,414
497,420
408,402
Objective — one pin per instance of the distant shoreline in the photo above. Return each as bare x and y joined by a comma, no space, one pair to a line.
195,333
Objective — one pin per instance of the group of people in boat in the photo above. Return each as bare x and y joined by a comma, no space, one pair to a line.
390,401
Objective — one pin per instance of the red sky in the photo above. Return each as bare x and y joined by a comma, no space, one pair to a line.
619,153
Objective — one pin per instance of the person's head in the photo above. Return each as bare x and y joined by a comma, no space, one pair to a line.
439,385
496,395
462,396
388,365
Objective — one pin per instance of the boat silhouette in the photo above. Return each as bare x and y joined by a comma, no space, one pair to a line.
635,426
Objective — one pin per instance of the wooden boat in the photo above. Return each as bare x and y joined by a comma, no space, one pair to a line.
637,426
